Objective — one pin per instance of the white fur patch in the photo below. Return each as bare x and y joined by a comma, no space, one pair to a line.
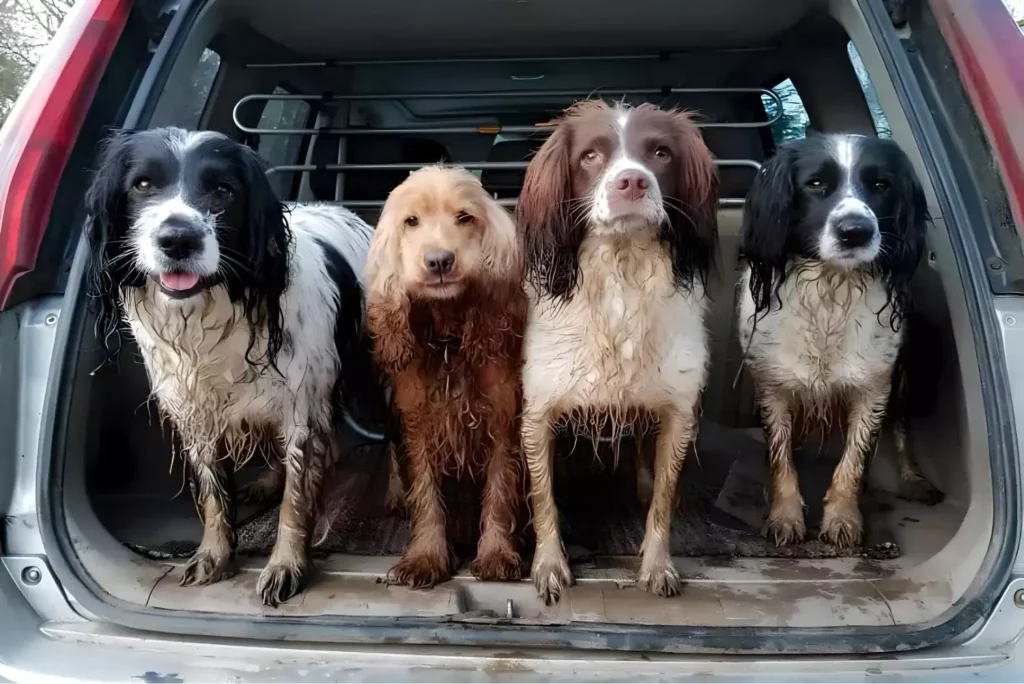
831,334
627,339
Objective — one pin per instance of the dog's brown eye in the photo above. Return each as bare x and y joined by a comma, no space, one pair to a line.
224,190
880,185
589,157
142,184
464,218
662,152
412,221
816,184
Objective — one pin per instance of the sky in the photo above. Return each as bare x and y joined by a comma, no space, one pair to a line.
1016,8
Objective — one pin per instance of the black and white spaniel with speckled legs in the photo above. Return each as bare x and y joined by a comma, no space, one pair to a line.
249,317
834,228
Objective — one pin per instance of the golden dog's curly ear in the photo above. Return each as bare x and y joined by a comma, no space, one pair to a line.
387,321
387,302
383,260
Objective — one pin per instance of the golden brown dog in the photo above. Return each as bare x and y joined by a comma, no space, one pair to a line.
447,310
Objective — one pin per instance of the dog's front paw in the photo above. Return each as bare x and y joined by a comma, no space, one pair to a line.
206,567
841,523
785,524
498,565
421,570
281,580
659,576
551,574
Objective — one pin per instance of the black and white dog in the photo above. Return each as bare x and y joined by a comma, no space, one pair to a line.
834,228
249,317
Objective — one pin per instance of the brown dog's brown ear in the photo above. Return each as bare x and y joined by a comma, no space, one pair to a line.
501,243
551,237
692,226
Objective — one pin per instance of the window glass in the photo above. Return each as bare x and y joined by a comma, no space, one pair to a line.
793,123
282,149
190,112
877,115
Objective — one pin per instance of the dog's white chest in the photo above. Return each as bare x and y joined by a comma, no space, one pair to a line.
627,338
196,360
830,333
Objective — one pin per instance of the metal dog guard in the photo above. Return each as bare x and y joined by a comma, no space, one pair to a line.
340,103
343,133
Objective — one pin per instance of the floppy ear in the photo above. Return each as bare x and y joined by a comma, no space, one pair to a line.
692,225
767,221
387,311
903,240
106,230
267,240
500,244
551,231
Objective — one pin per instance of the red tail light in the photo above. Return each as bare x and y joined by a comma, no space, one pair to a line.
37,138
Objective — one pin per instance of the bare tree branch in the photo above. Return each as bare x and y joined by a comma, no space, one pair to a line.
26,28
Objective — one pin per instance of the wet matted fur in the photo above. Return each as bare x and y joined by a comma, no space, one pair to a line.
446,309
248,315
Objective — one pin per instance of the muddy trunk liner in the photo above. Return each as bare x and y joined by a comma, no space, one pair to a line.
721,505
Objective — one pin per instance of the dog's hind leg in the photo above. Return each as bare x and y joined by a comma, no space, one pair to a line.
913,485
645,455
395,498
268,487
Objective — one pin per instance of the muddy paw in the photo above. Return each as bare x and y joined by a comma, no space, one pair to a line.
785,524
498,566
280,581
920,490
206,568
551,575
660,578
420,571
841,524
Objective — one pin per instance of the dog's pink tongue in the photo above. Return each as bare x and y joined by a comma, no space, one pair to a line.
179,281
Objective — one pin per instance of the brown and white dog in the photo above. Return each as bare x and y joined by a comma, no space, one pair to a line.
618,215
446,308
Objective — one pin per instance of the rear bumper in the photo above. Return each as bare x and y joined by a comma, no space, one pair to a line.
36,651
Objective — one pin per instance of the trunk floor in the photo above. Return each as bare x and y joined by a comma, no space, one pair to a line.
721,505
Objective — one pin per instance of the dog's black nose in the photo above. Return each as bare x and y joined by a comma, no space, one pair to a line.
439,261
855,232
178,242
